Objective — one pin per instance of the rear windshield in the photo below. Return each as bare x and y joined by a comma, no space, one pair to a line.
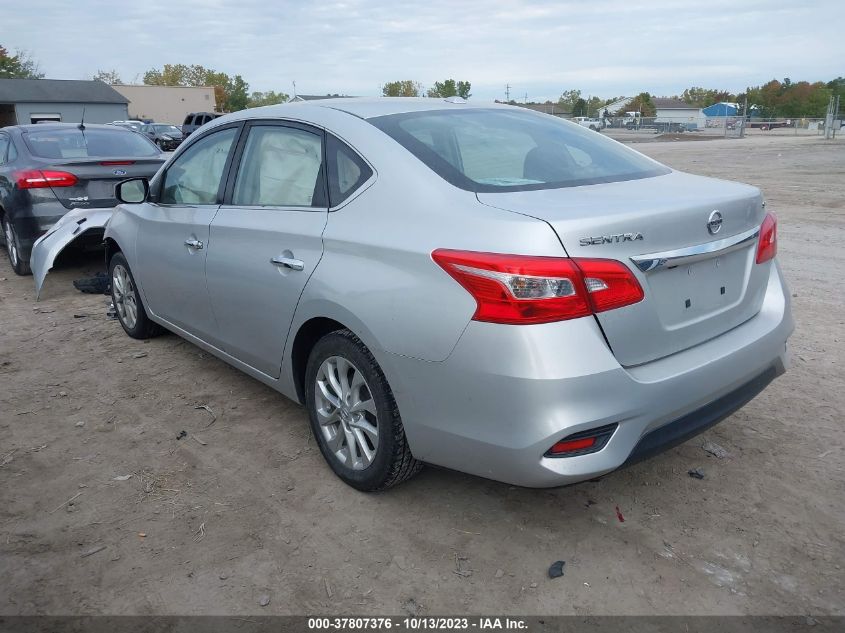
510,150
93,142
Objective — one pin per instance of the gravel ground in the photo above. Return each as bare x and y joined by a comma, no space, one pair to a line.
243,510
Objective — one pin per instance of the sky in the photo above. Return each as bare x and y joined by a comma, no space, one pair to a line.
604,48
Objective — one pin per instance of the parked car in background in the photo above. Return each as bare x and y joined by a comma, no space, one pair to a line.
135,126
167,137
589,122
484,288
196,120
48,170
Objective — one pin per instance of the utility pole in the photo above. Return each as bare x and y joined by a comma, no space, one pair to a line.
828,119
294,89
526,97
507,93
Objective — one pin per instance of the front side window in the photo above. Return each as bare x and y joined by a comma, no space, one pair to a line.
280,167
195,176
347,170
493,150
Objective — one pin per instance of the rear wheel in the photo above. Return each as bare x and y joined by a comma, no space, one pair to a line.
354,416
13,249
127,301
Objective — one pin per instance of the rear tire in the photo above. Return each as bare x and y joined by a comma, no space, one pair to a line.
127,301
354,416
13,249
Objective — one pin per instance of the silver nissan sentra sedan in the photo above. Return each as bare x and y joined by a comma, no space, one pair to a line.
479,287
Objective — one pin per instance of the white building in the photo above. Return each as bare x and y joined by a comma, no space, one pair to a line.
680,112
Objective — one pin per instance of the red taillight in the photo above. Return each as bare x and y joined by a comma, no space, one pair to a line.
568,446
519,289
767,247
43,178
109,163
610,284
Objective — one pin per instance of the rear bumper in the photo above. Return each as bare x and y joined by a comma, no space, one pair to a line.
688,426
507,393
35,219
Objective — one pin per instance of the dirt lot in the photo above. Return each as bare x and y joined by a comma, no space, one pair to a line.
244,506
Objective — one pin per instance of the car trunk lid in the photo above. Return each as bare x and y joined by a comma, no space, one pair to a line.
97,177
697,283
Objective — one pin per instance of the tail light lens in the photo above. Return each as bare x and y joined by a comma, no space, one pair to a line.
610,284
521,290
44,178
767,247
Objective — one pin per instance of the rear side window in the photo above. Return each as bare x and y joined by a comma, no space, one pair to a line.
347,170
194,177
188,119
92,142
493,150
4,148
280,167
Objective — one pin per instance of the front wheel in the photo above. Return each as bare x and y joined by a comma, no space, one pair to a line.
127,300
354,416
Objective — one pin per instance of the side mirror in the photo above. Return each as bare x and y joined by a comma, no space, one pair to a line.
132,191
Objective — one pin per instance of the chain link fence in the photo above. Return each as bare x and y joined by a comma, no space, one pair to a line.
728,127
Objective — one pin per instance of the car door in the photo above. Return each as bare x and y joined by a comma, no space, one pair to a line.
266,240
173,233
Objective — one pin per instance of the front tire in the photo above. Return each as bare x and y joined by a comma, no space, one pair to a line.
354,416
127,301
13,249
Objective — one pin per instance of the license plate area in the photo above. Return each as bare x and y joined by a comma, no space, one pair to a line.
690,293
101,189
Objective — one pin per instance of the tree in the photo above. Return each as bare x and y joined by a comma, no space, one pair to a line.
403,88
642,103
568,99
450,88
258,99
231,93
18,66
237,94
703,97
108,77
579,108
594,106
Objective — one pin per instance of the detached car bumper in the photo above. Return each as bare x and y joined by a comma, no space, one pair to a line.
506,394
71,227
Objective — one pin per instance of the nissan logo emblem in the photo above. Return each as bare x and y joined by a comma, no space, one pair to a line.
714,223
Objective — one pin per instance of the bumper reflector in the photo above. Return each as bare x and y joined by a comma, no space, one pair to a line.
582,443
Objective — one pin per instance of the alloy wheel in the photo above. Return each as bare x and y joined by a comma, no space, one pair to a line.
125,301
346,412
11,244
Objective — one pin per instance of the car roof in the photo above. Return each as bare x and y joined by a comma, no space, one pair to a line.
370,107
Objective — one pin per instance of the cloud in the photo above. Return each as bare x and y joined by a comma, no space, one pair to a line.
353,46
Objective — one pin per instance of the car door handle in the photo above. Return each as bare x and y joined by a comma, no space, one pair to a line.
195,244
288,262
